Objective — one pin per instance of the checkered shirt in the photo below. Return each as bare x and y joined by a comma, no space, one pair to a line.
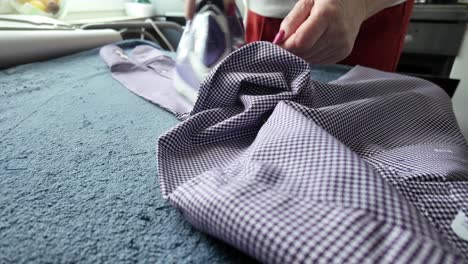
369,168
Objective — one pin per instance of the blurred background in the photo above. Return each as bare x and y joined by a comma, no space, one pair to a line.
436,45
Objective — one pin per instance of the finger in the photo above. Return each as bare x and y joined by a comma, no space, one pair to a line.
321,48
323,58
296,17
189,9
330,59
328,56
307,34
311,52
317,53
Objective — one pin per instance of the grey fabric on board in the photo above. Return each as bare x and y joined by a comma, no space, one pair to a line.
370,168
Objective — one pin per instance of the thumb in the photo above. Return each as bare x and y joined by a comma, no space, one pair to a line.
296,17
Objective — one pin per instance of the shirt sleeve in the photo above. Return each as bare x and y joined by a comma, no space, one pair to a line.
281,8
395,2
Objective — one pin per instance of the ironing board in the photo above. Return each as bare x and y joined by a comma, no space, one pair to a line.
78,179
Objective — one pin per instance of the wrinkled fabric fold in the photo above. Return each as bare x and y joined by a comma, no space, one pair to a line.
371,167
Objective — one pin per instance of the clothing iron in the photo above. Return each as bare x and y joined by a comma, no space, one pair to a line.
212,34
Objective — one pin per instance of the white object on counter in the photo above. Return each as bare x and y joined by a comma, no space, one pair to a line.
25,46
139,10
16,22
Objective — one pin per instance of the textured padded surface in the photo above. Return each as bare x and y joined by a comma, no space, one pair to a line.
78,179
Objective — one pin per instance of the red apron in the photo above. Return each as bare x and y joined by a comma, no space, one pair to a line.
378,45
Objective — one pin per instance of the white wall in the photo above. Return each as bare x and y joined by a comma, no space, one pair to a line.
95,5
5,7
460,100
83,5
175,6
80,5
106,5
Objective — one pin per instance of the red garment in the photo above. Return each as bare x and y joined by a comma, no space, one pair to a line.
378,45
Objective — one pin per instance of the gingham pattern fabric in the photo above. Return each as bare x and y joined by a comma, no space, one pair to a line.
368,168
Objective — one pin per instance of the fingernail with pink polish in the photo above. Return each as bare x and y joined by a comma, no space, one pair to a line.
279,37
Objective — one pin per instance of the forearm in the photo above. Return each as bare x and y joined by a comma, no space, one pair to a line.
375,6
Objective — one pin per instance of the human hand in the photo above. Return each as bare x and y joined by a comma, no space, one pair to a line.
189,9
323,31
190,6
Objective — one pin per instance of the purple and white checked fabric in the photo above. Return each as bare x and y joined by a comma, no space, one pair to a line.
368,168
